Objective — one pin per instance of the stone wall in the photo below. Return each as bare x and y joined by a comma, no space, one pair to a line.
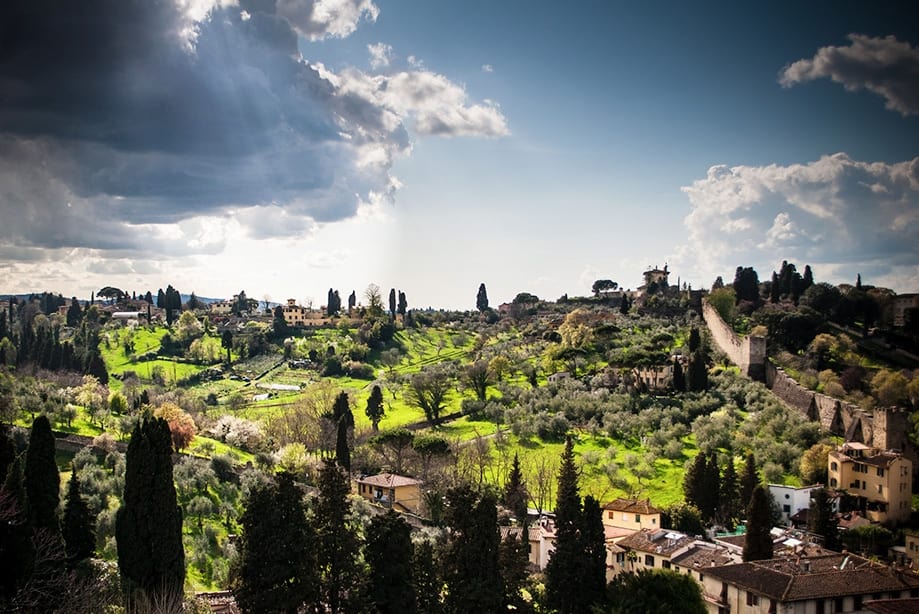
748,353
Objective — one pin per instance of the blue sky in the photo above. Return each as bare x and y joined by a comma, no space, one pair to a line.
288,147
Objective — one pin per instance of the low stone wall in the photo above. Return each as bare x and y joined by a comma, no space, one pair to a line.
748,353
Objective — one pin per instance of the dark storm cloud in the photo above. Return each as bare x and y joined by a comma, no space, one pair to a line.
115,113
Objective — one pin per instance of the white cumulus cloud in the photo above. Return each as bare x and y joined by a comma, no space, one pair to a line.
885,66
380,55
836,212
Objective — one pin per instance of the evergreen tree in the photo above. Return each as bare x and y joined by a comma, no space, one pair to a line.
625,304
344,420
426,579
42,481
515,492
698,371
402,306
392,303
821,519
15,534
471,574
375,409
148,525
279,324
563,573
593,538
352,301
694,482
749,480
712,486
338,547
679,378
78,526
513,560
730,493
74,313
481,298
694,339
389,554
276,571
775,290
656,591
758,541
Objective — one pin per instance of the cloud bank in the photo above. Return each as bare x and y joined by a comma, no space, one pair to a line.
128,127
836,212
884,66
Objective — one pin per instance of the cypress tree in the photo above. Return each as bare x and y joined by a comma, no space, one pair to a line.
481,298
276,571
593,537
344,420
712,486
392,303
338,546
375,409
821,519
389,554
78,526
471,570
729,493
694,483
563,573
698,371
42,481
515,492
15,533
694,340
148,525
426,579
758,542
679,378
513,560
749,480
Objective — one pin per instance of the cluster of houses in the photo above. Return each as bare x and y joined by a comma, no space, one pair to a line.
802,577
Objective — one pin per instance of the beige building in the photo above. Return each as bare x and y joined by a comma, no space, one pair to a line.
399,492
881,480
804,585
631,514
294,314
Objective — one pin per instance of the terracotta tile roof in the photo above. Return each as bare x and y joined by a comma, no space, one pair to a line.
893,606
658,541
704,556
788,579
633,506
388,480
611,533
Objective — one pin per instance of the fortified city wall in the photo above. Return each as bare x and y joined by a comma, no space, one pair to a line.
748,353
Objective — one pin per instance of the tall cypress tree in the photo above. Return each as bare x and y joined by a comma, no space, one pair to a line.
42,481
148,526
338,546
513,560
758,541
593,537
821,519
344,420
748,480
481,298
730,508
515,492
426,579
471,565
15,533
78,526
712,486
679,378
563,573
389,553
694,483
277,561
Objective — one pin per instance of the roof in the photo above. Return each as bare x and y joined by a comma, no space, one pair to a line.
634,506
799,579
388,480
658,541
704,555
893,606
611,533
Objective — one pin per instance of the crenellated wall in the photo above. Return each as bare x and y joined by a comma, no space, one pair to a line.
748,353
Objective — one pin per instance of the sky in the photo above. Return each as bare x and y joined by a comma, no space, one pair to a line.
285,147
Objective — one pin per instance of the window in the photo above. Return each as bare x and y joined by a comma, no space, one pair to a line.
638,518
834,466
649,560
833,482
752,599
880,489
880,472
620,557
612,516
654,521
838,603
665,564
786,509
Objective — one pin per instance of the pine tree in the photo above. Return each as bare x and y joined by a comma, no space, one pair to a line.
78,526
515,492
74,313
338,546
375,409
276,571
749,480
42,481
389,554
471,570
758,541
148,526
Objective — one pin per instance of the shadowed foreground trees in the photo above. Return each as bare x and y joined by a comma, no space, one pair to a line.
148,526
658,591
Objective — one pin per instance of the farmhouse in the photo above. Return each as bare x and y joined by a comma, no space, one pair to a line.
633,514
398,492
